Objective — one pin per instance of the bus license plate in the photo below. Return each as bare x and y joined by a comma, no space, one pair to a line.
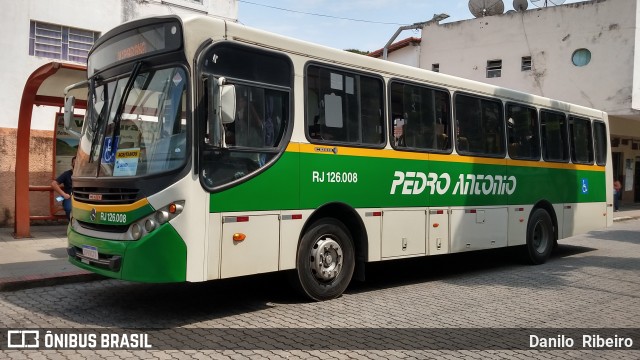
90,251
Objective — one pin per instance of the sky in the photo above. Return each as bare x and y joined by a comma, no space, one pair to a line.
379,18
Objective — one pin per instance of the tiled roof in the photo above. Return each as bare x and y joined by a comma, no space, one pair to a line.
396,46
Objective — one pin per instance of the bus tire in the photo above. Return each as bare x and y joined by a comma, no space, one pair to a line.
325,260
540,237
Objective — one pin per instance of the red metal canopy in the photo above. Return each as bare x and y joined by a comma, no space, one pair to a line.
45,86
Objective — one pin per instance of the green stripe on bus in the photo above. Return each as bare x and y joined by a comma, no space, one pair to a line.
307,180
112,217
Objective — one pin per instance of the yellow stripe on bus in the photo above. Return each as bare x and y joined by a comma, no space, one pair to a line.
407,155
111,208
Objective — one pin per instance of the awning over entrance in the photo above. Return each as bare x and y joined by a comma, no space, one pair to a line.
45,86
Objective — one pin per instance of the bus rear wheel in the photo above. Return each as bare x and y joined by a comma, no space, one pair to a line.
325,260
540,238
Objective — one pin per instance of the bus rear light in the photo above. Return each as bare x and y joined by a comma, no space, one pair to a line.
242,219
239,237
436,225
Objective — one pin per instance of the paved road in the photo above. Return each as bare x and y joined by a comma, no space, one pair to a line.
454,306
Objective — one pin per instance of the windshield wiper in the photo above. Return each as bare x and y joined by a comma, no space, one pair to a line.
123,99
97,124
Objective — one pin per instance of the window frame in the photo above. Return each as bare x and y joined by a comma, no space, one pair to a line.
537,126
64,42
595,147
449,150
202,94
456,125
526,63
354,72
494,67
572,149
567,148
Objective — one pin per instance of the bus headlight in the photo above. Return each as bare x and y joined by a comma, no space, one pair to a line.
150,225
162,216
136,231
151,222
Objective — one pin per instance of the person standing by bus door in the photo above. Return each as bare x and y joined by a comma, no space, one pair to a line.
617,187
65,180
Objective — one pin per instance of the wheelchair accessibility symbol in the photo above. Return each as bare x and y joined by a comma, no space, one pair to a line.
109,149
585,186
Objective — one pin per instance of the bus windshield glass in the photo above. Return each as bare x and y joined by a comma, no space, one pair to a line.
144,134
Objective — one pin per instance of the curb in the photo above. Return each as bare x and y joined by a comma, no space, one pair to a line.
625,218
34,281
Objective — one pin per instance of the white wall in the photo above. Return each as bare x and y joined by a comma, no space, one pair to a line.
408,55
550,36
95,15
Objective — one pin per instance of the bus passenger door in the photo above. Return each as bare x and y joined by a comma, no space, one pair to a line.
438,229
403,233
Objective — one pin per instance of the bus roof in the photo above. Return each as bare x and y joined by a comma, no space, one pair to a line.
200,28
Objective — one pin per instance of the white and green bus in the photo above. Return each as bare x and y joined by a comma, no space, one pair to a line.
211,150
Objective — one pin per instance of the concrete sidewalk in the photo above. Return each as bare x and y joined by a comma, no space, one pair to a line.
37,261
42,259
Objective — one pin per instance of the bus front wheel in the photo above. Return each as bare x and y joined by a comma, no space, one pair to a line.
325,260
540,238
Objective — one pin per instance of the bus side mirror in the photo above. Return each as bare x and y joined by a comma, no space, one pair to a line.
227,103
69,104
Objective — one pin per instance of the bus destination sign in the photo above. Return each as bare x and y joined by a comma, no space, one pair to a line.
132,44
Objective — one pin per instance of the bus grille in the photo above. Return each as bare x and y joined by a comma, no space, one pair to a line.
104,228
98,196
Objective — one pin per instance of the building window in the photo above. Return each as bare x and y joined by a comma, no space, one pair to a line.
435,67
581,57
494,68
526,63
60,42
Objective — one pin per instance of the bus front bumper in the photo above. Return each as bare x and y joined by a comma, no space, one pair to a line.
159,257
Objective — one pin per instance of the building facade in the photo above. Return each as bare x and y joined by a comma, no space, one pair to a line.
63,31
587,53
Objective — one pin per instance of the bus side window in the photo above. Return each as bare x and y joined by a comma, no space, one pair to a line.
420,117
344,106
522,132
555,142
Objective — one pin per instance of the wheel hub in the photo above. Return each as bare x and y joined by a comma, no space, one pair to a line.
326,259
540,237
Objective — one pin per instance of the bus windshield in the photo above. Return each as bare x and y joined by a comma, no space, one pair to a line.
144,134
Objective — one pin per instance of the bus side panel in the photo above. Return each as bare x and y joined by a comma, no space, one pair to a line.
582,218
258,252
213,247
373,225
403,232
477,229
518,220
291,223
